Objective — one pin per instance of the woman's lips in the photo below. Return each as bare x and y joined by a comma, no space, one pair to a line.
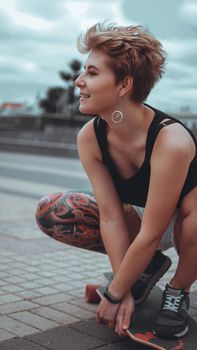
84,96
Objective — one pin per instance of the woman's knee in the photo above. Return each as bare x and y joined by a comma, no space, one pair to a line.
66,208
71,218
185,228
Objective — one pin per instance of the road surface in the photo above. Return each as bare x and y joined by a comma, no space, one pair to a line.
32,176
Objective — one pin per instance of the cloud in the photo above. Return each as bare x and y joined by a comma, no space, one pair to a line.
44,9
38,39
188,13
182,50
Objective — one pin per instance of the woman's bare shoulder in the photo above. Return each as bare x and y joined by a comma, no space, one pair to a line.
87,131
87,142
175,138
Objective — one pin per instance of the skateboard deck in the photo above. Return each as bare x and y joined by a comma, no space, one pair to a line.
141,329
91,295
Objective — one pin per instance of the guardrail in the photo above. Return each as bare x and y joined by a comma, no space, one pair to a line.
52,134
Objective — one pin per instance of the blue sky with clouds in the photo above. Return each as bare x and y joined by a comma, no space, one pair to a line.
38,39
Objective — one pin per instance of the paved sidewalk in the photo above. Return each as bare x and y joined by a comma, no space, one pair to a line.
42,287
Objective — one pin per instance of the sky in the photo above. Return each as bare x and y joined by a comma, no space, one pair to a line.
38,39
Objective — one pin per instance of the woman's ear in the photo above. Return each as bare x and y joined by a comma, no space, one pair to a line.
126,85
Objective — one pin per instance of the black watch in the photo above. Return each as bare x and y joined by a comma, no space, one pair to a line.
110,297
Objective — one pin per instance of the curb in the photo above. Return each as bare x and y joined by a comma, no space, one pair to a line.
39,147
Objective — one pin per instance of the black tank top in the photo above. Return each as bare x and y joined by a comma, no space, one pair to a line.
135,189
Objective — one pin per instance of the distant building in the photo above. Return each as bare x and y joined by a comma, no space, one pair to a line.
189,119
17,108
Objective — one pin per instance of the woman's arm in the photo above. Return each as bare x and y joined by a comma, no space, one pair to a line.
113,225
171,157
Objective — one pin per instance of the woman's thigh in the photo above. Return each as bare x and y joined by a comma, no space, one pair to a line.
133,219
73,218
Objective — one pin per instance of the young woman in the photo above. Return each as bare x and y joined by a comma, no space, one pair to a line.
142,165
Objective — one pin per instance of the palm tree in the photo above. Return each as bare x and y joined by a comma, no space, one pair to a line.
70,77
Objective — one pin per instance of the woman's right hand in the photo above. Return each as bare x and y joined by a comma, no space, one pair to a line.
124,314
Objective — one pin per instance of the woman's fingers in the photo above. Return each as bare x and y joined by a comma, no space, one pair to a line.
126,320
119,321
123,318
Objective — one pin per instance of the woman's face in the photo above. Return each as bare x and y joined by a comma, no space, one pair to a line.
99,92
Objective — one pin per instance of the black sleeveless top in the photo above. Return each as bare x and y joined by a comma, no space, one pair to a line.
135,189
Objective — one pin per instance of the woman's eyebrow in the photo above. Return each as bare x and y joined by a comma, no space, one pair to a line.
91,66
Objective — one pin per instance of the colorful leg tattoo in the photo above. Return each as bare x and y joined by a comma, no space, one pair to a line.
71,218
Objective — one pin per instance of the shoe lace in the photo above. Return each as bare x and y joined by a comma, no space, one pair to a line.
172,302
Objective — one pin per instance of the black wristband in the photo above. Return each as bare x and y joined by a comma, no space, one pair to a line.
110,297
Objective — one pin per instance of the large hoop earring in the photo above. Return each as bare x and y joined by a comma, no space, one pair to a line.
117,116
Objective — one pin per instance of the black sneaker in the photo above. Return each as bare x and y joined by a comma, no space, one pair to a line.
159,264
172,319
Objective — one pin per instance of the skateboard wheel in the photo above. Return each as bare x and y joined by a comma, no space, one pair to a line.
91,295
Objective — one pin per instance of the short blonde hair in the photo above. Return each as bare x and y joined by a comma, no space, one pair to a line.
131,50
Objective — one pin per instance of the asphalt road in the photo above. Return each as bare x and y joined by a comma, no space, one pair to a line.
33,176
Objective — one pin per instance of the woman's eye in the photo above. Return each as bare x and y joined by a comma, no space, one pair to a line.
91,73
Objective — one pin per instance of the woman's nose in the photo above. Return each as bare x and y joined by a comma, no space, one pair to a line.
79,81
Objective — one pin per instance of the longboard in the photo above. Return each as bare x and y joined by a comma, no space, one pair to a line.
141,328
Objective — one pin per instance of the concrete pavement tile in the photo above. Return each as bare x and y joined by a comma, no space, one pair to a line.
20,344
46,290
28,294
63,287
52,299
78,284
193,299
77,276
94,274
98,331
124,345
16,272
3,283
4,260
31,284
62,278
80,302
74,310
3,274
56,315
12,289
65,275
31,269
46,273
35,246
29,276
4,335
74,269
61,271
62,338
18,306
14,279
18,328
22,259
9,298
77,292
44,281
34,320
193,305
6,267
6,253
18,264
